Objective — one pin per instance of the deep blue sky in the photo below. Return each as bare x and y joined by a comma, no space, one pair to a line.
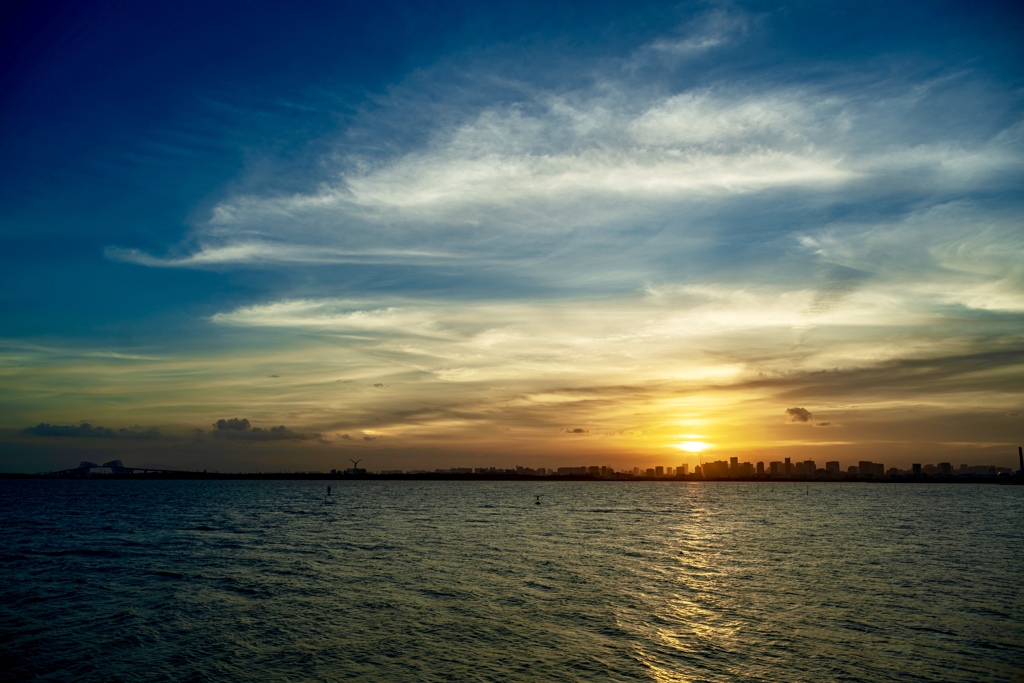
180,178
122,122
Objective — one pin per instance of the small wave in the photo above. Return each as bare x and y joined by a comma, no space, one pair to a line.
239,587
202,527
13,558
122,617
169,575
81,552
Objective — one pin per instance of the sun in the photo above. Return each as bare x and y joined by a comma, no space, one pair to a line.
693,446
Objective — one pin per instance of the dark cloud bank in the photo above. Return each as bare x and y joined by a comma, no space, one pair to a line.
86,430
233,429
240,429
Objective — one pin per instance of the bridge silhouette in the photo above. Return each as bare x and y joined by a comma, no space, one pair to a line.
87,469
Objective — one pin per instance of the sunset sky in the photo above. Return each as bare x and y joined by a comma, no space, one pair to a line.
439,234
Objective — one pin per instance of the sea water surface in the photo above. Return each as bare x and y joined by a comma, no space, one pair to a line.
474,581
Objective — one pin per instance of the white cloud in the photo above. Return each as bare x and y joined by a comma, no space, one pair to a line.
668,332
482,189
258,252
619,182
490,187
714,29
957,253
705,119
565,157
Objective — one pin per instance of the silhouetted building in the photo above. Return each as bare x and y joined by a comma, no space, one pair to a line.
719,469
866,468
832,468
805,468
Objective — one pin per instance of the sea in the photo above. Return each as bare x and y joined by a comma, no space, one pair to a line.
115,580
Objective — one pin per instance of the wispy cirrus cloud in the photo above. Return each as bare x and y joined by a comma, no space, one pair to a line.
461,163
696,334
956,254
707,32
508,177
513,182
269,253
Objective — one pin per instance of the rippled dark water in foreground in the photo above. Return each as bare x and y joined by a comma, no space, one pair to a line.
453,581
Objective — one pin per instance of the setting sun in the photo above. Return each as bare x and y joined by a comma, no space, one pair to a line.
693,446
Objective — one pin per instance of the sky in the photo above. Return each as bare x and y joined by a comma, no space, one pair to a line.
249,236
